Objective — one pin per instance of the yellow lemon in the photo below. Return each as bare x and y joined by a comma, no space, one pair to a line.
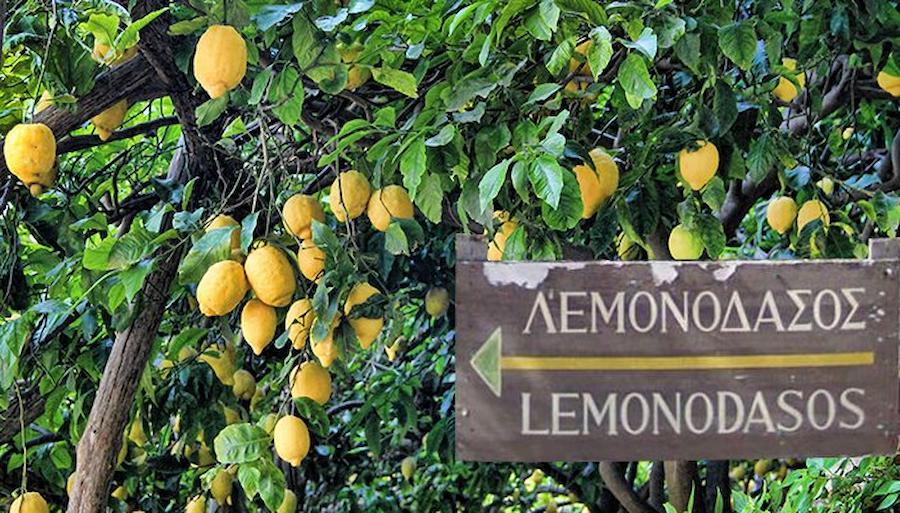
811,211
497,245
781,213
70,483
391,202
684,245
581,66
30,153
226,221
826,185
289,503
220,60
29,502
186,353
597,184
699,166
221,363
298,213
298,322
786,91
890,83
408,467
196,505
349,195
356,76
258,321
366,328
270,275
110,119
291,439
220,487
311,260
222,287
310,379
244,384
326,350
437,301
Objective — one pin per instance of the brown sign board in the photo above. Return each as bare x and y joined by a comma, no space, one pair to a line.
594,361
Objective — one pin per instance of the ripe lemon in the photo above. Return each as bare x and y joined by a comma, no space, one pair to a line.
222,364
258,321
781,213
298,213
826,185
289,503
762,467
220,60
408,467
220,487
311,260
310,379
349,195
810,211
244,384
890,83
356,75
298,322
698,167
270,275
437,301
291,439
497,245
391,202
70,483
222,287
226,221
110,119
366,328
596,184
581,66
326,351
626,248
186,353
196,505
29,502
786,91
30,154
684,245
104,54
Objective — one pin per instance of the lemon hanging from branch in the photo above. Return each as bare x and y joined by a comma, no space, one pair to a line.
220,60
699,166
30,153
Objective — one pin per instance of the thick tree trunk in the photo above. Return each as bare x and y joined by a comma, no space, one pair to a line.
717,483
613,475
681,481
96,456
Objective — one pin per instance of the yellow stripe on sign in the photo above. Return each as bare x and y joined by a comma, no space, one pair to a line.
662,363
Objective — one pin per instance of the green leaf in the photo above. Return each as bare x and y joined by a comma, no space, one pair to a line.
491,182
569,210
96,254
477,84
646,43
430,197
131,35
286,96
241,443
210,110
761,157
212,247
303,41
132,279
395,241
635,80
542,22
249,477
104,27
271,484
688,51
398,80
542,92
559,59
271,15
710,230
412,165
373,434
248,226
185,27
330,77
510,9
546,177
714,193
520,180
590,9
442,138
600,52
738,42
724,106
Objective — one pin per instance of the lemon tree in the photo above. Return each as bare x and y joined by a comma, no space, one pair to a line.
226,230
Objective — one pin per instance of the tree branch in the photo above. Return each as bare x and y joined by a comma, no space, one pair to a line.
614,478
83,142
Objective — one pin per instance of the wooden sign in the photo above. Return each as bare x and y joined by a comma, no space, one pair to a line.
593,361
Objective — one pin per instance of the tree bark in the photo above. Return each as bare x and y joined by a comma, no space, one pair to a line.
657,486
681,480
613,475
717,483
